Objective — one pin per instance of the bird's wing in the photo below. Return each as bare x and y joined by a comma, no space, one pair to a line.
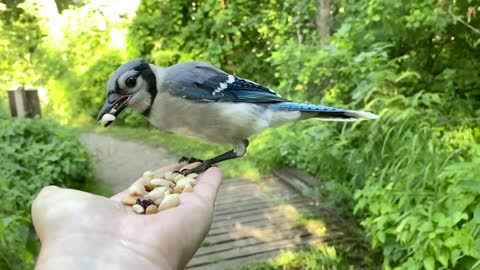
205,83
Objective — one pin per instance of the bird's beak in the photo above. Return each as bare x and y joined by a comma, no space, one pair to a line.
114,107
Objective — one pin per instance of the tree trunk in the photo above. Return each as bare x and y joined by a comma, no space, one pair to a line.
323,20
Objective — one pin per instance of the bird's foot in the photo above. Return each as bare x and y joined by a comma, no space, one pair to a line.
189,160
198,170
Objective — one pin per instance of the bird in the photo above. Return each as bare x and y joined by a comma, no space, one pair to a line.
201,101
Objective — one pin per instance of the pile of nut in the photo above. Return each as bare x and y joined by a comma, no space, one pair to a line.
152,195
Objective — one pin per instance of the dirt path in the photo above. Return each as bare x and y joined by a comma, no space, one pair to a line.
117,162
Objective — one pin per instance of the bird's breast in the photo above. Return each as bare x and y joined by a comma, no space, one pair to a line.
215,122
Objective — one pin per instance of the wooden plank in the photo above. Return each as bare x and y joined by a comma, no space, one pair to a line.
252,188
216,219
279,196
273,200
233,263
254,229
233,189
267,182
252,207
18,102
13,105
243,234
247,221
253,195
32,103
258,224
251,250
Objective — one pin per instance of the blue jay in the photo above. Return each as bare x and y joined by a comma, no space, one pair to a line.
200,101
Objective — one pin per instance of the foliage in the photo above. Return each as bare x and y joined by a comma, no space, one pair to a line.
35,153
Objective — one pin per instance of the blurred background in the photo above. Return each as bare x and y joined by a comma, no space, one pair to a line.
409,181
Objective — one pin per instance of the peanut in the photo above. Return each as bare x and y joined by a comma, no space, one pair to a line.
138,208
178,178
170,200
151,209
159,201
149,187
191,181
147,176
172,176
180,185
129,200
167,174
161,182
157,193
137,189
187,188
106,118
192,175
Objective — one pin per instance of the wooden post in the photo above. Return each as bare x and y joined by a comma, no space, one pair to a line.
17,102
24,103
32,103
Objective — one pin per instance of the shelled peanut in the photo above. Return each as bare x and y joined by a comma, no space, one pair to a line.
153,194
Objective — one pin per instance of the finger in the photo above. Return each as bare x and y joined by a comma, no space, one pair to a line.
42,199
160,172
208,184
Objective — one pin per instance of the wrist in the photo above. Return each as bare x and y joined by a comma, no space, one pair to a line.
98,252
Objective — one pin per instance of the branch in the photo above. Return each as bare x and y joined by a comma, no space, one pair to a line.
457,18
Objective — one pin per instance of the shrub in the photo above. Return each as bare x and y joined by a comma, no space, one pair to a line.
35,153
415,172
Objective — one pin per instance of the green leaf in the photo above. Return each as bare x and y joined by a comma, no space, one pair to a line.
451,242
443,256
429,263
426,227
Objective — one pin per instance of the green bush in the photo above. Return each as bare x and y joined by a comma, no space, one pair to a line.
35,153
4,113
416,172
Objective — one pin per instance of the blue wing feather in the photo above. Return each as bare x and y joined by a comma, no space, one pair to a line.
205,83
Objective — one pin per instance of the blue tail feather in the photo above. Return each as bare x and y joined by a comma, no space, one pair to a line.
324,112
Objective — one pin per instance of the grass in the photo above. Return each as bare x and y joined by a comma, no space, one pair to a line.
181,146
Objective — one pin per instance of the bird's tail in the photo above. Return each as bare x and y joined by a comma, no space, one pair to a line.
325,113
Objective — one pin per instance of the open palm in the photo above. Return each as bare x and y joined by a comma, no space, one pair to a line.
79,230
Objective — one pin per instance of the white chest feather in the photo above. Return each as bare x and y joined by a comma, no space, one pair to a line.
212,122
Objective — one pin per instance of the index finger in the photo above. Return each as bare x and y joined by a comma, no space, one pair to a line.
208,184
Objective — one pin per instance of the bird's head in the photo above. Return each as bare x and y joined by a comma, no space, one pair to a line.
133,85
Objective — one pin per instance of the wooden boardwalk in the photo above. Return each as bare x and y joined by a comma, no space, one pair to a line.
255,221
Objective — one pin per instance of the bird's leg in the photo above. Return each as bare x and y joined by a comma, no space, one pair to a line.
189,160
239,150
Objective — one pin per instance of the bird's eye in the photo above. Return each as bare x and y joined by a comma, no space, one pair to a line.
131,81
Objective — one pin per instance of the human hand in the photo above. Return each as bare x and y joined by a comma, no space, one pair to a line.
79,230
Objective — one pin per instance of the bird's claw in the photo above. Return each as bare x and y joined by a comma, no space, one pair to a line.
189,160
199,169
